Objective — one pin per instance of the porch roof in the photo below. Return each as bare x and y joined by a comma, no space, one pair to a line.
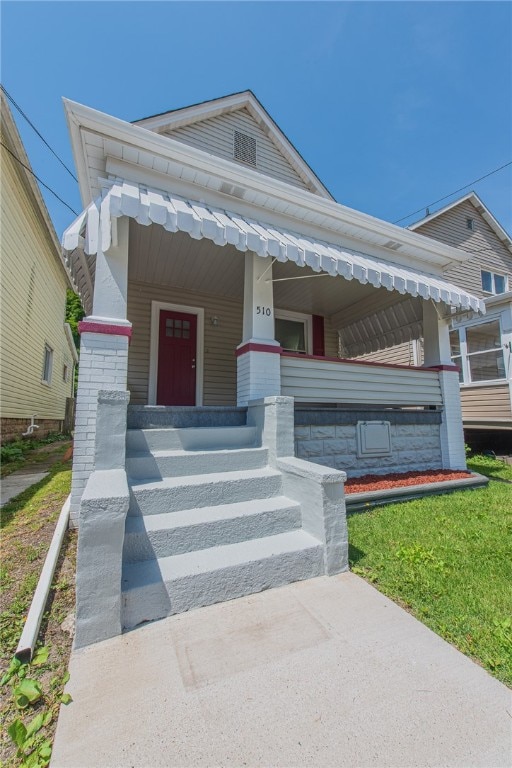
94,230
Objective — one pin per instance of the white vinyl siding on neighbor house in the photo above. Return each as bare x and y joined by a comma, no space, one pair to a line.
33,301
216,135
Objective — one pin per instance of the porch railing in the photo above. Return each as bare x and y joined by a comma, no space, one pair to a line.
328,380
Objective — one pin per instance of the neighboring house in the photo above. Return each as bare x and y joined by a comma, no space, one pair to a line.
37,351
217,274
480,346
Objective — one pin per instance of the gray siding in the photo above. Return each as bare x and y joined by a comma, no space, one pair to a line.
215,135
482,404
490,253
219,342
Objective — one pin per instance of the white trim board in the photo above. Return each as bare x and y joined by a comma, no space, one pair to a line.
156,307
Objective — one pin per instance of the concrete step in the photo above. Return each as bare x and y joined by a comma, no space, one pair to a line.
190,439
193,529
160,464
150,416
165,586
173,494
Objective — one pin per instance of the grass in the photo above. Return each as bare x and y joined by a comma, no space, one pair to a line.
446,559
15,455
27,523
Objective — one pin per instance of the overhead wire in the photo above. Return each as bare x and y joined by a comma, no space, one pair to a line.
461,189
22,113
38,179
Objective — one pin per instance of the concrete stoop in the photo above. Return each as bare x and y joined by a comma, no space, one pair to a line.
208,521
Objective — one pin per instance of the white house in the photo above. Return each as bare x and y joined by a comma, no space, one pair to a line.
217,272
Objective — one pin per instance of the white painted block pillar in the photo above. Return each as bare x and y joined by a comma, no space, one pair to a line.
436,335
103,354
258,356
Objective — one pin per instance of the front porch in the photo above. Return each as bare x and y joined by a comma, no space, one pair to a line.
212,323
225,474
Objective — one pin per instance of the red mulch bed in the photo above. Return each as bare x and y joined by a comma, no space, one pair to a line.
401,480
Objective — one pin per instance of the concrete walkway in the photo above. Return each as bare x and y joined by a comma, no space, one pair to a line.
34,471
17,482
325,672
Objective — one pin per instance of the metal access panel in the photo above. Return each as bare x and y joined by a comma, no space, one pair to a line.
373,439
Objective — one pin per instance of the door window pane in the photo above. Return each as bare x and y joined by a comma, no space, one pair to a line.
291,335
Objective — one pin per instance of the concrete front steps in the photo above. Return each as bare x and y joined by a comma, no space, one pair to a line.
207,522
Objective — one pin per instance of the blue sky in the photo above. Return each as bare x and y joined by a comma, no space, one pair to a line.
393,104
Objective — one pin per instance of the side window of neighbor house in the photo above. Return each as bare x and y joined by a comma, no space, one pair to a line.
485,352
456,353
493,282
47,364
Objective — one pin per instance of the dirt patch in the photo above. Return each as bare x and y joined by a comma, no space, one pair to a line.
368,483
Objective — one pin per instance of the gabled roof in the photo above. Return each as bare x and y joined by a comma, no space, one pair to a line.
14,146
178,118
482,209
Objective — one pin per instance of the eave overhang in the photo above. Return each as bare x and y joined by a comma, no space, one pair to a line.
138,155
95,230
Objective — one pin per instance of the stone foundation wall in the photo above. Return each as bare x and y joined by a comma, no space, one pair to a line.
328,436
12,429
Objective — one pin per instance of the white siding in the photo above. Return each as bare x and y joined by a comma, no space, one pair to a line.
215,135
33,303
314,381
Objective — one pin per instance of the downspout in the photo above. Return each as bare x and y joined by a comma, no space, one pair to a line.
28,639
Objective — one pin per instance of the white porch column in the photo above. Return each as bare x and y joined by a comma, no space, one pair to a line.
258,358
103,354
436,335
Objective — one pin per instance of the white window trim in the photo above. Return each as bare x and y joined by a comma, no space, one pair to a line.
505,340
156,307
47,382
494,274
284,314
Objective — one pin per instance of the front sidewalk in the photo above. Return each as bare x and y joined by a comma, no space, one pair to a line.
325,672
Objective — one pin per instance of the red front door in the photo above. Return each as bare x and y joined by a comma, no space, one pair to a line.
176,359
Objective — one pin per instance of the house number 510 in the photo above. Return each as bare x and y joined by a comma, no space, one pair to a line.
263,311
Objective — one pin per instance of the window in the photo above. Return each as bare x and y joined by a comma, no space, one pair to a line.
478,352
493,283
456,353
469,224
293,331
47,364
65,372
484,352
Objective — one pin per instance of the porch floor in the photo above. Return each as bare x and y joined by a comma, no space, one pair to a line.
318,673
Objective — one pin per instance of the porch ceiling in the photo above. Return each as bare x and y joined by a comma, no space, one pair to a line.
175,259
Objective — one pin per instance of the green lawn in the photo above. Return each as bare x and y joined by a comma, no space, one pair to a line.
447,559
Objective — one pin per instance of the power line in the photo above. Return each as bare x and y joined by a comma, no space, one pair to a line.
8,95
453,193
38,179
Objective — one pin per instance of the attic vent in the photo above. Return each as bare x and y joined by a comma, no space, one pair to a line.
244,148
392,245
